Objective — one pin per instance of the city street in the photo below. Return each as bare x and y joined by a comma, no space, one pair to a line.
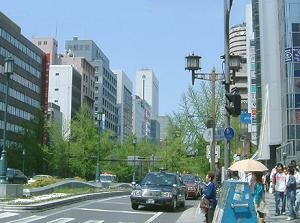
108,210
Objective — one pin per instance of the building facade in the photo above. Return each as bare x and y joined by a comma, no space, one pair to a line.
105,79
25,99
237,46
48,45
147,88
124,102
87,72
276,52
65,91
140,117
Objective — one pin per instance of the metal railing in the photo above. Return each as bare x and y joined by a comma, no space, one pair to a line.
285,151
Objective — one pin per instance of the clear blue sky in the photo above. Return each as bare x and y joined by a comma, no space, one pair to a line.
134,34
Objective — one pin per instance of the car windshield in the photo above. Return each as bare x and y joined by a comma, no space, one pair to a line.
159,179
106,178
188,179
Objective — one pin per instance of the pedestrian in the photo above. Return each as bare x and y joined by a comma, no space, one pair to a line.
259,196
297,177
278,184
291,194
210,194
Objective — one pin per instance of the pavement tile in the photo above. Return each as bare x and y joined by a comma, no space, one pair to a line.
270,216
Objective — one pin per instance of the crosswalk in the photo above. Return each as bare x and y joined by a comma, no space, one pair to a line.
6,217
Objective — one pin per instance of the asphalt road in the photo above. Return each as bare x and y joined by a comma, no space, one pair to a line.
108,210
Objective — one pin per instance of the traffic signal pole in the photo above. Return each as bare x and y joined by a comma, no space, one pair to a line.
226,83
213,111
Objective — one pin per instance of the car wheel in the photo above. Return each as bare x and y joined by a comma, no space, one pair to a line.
134,206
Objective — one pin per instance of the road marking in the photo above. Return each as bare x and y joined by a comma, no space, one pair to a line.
111,202
84,203
8,214
28,219
153,217
94,221
116,211
61,220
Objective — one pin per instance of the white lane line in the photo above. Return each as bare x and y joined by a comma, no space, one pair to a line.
28,219
153,217
115,211
111,202
84,204
94,221
61,220
8,214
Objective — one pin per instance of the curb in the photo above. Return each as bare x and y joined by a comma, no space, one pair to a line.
60,202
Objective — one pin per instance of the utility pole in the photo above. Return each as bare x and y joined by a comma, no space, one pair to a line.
213,115
227,81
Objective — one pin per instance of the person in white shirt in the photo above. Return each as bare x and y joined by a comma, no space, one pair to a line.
278,184
297,176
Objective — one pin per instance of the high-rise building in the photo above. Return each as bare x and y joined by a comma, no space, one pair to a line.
250,43
164,122
276,28
87,72
147,88
124,102
26,92
105,79
237,46
140,117
49,46
65,91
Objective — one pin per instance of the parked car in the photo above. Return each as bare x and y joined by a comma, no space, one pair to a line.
192,184
15,176
159,189
38,177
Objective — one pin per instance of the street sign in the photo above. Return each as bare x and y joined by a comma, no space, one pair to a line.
219,134
228,133
245,118
207,135
217,152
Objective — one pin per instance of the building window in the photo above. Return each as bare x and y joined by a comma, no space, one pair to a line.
39,43
57,74
56,89
55,100
45,42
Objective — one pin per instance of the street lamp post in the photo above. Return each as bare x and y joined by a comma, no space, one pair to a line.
193,64
134,154
23,161
8,71
98,149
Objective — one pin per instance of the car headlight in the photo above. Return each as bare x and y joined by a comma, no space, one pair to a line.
166,194
136,193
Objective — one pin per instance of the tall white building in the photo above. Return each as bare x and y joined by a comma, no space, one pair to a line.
147,88
124,102
65,91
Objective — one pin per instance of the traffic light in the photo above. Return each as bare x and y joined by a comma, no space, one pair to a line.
234,107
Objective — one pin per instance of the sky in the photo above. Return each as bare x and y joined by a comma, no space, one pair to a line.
136,34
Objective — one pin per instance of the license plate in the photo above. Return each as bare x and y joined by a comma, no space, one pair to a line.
150,201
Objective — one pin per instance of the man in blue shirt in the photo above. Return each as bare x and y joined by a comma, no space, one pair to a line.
210,194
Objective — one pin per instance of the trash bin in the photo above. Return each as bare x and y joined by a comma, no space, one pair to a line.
235,203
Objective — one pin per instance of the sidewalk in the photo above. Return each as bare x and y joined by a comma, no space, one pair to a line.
270,216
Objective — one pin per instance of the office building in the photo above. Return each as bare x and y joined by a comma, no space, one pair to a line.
237,46
26,92
87,72
276,28
65,91
140,117
105,79
124,102
147,88
49,46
